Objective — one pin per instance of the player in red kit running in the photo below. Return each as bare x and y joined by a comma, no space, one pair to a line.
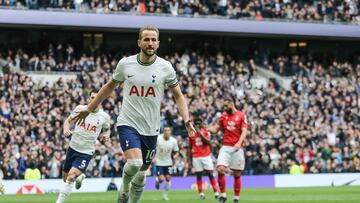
201,159
234,126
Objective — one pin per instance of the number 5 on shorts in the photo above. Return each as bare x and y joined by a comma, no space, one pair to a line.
83,164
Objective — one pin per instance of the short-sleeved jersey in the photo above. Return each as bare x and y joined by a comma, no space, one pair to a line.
84,135
144,86
164,149
198,147
231,125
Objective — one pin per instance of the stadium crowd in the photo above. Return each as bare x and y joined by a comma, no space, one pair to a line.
314,126
299,10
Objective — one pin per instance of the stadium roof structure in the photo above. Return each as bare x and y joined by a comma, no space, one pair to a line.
51,19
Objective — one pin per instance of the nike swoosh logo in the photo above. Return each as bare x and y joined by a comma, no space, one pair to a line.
129,76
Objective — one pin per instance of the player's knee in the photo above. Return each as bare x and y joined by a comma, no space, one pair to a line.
71,177
167,178
133,165
237,173
161,179
221,169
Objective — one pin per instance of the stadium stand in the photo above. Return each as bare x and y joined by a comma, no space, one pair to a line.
314,125
292,10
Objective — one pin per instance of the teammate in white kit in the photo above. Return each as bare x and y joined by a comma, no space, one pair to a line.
82,145
145,76
165,148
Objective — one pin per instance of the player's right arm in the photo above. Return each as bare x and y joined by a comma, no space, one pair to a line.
205,139
217,126
103,93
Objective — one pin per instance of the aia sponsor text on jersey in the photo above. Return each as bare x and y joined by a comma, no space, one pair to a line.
88,127
142,91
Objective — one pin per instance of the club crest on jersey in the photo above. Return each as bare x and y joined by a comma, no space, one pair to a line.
231,125
88,127
142,91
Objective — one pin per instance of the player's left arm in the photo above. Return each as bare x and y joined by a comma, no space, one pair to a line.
183,108
176,150
243,126
237,146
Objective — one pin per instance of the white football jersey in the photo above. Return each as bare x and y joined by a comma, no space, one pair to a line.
144,86
84,135
164,149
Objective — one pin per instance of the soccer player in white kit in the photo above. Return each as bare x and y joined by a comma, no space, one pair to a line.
82,145
145,76
165,148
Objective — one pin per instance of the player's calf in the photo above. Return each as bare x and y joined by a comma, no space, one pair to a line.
131,167
137,187
167,187
69,183
159,180
65,192
130,170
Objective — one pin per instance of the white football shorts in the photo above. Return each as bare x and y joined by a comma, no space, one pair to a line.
202,163
229,158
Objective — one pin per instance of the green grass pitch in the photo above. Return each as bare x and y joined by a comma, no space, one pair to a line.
283,195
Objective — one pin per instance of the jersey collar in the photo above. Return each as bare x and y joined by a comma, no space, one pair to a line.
145,64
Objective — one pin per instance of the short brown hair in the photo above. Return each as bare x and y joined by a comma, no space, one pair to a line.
148,27
229,99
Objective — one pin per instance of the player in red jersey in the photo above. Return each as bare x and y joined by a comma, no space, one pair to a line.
234,126
200,145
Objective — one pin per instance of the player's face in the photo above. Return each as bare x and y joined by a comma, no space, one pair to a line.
167,132
149,42
228,107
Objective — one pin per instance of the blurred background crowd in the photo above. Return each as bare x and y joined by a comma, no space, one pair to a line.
299,10
313,126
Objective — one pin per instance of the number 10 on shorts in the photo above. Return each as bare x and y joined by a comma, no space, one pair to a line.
150,154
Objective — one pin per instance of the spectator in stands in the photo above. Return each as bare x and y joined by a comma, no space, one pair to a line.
311,10
32,173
